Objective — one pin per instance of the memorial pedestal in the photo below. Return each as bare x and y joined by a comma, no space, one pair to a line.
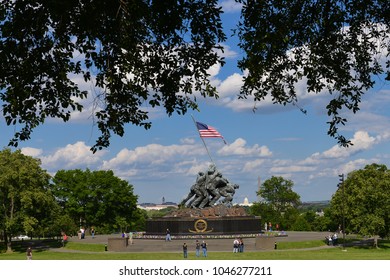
265,242
213,221
117,244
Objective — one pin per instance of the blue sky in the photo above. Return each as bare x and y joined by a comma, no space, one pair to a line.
273,141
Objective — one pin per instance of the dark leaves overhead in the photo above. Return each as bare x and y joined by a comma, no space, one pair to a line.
335,45
137,53
152,53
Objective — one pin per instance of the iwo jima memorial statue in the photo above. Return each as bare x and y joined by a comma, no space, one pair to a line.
208,208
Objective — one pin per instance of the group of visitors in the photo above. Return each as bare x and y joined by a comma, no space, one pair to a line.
198,246
238,245
268,226
82,233
129,236
332,239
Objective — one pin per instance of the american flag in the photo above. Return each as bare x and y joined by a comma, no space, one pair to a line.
207,131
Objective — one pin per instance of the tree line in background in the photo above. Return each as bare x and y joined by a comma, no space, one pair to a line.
34,203
361,205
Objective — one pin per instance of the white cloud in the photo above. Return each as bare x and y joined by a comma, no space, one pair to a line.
369,121
323,172
361,142
72,156
292,169
355,165
230,6
153,154
238,147
195,167
32,152
230,86
187,141
228,52
287,166
254,165
314,159
126,173
214,70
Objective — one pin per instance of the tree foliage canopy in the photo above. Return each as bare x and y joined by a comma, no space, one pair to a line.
336,46
365,201
278,202
156,53
26,203
278,192
95,198
138,53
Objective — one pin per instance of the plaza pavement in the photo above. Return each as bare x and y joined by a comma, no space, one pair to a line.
221,245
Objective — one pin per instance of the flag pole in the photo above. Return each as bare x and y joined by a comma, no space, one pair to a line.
204,143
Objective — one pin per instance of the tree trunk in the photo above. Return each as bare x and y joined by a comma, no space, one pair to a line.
8,242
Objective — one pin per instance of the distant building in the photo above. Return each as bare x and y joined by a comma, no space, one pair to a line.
154,206
320,213
245,203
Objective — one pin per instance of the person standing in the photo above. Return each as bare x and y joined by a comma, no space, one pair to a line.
330,243
64,239
93,233
197,248
29,253
185,250
335,239
131,237
204,248
235,245
168,236
241,245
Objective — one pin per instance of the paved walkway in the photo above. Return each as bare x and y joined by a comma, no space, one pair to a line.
216,245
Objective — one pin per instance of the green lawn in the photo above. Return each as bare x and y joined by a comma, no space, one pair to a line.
286,251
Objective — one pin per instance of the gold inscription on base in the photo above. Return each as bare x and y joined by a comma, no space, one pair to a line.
200,226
